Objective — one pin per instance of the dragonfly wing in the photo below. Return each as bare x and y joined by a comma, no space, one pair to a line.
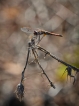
26,30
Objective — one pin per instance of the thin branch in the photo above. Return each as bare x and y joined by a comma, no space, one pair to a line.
48,53
25,64
34,53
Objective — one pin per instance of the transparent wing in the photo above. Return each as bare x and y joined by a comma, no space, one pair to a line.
27,30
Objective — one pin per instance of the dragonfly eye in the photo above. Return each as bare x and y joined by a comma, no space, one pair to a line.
35,33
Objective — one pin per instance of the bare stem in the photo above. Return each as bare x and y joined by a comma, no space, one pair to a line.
25,65
34,52
48,53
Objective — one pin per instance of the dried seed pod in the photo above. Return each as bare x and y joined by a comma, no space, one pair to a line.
69,73
20,91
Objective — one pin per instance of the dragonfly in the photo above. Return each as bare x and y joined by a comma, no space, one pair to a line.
38,32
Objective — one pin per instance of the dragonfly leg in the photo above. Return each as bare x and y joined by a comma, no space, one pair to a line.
41,39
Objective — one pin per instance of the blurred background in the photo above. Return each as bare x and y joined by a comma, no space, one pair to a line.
58,16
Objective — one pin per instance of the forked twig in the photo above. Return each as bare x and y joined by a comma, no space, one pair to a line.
32,46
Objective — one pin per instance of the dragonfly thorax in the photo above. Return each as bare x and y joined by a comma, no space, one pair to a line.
37,33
